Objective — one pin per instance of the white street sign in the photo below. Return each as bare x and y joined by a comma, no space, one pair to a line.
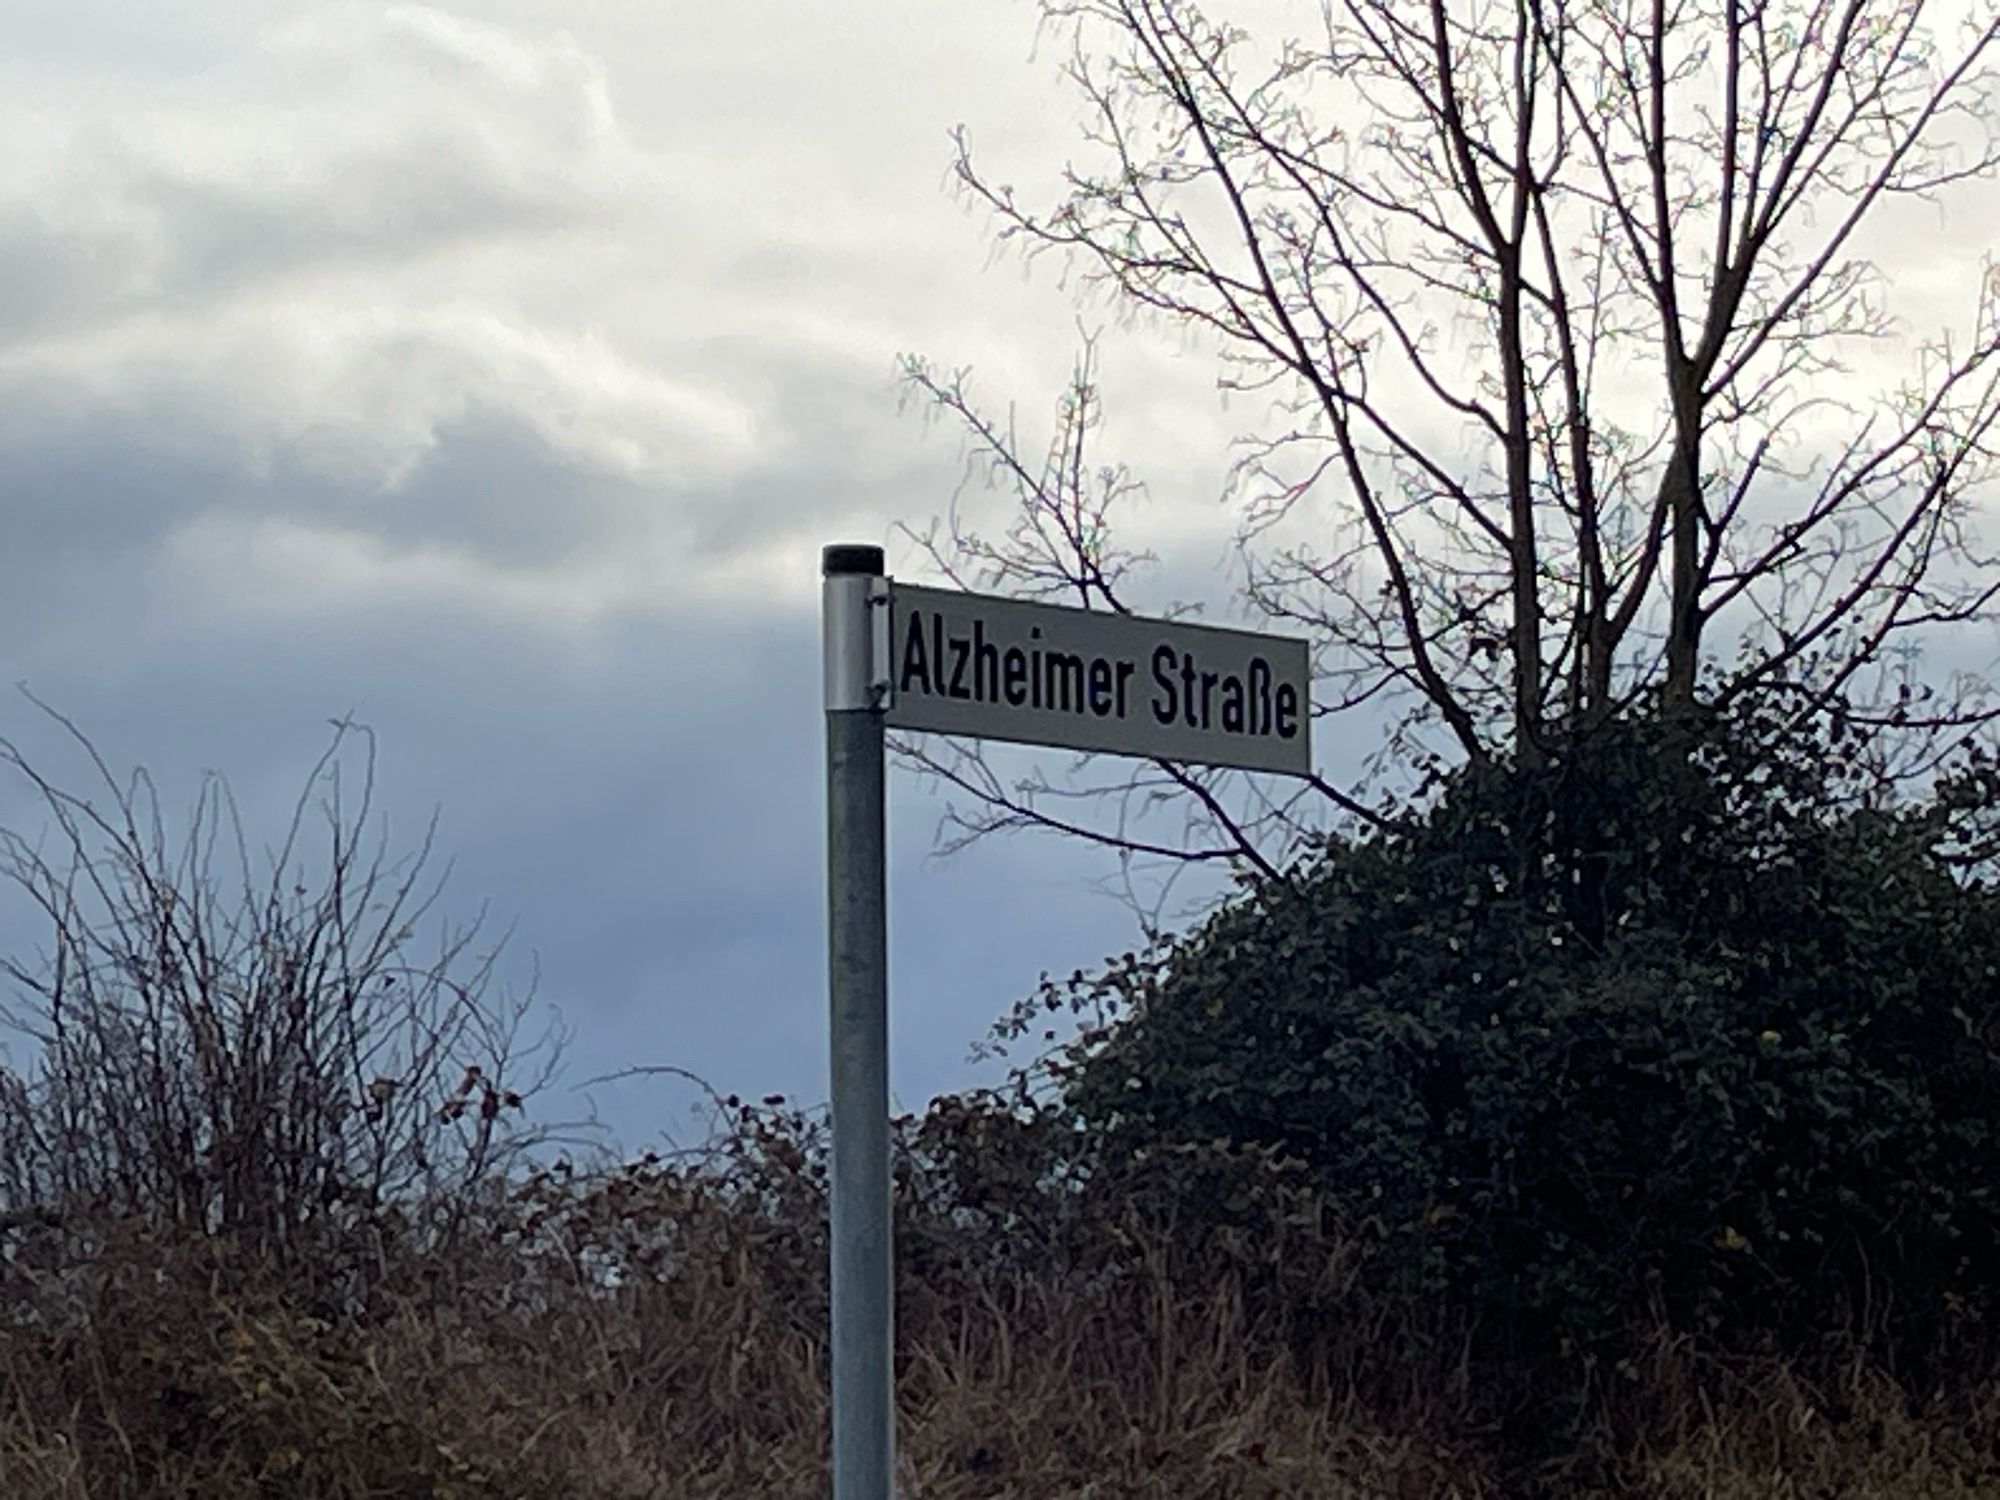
955,663
1006,669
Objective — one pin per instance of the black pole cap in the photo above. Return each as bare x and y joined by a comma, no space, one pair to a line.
849,557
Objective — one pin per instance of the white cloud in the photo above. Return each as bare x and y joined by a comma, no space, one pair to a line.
277,566
357,138
359,388
361,255
496,376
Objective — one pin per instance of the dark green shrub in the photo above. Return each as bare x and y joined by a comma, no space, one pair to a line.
1685,1023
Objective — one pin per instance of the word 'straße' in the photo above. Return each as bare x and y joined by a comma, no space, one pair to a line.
1006,669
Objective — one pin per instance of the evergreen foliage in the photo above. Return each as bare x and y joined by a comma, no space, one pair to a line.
1693,1021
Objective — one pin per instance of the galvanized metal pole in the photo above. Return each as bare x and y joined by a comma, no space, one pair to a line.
854,616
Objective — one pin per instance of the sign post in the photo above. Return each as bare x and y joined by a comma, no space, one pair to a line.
955,663
853,594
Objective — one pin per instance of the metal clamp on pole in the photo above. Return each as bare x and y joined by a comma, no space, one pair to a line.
855,613
854,616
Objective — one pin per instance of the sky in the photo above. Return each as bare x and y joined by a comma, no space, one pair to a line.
492,375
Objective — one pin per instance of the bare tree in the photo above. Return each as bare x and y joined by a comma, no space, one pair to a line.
255,1050
1572,318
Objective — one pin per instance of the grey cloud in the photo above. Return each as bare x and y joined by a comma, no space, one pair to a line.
85,510
382,206
412,134
399,288
642,791
56,274
647,807
490,485
97,486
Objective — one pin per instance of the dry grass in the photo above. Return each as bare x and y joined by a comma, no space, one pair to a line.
1725,1431
177,1379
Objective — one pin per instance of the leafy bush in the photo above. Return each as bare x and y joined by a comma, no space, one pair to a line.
1693,1021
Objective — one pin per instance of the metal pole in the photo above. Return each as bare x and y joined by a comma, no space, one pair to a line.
853,616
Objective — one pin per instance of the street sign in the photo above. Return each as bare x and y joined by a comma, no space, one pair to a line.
1003,669
1006,669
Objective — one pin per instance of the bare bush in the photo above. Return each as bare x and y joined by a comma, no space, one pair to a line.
212,1045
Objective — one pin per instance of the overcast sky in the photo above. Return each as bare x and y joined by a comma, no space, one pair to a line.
493,373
